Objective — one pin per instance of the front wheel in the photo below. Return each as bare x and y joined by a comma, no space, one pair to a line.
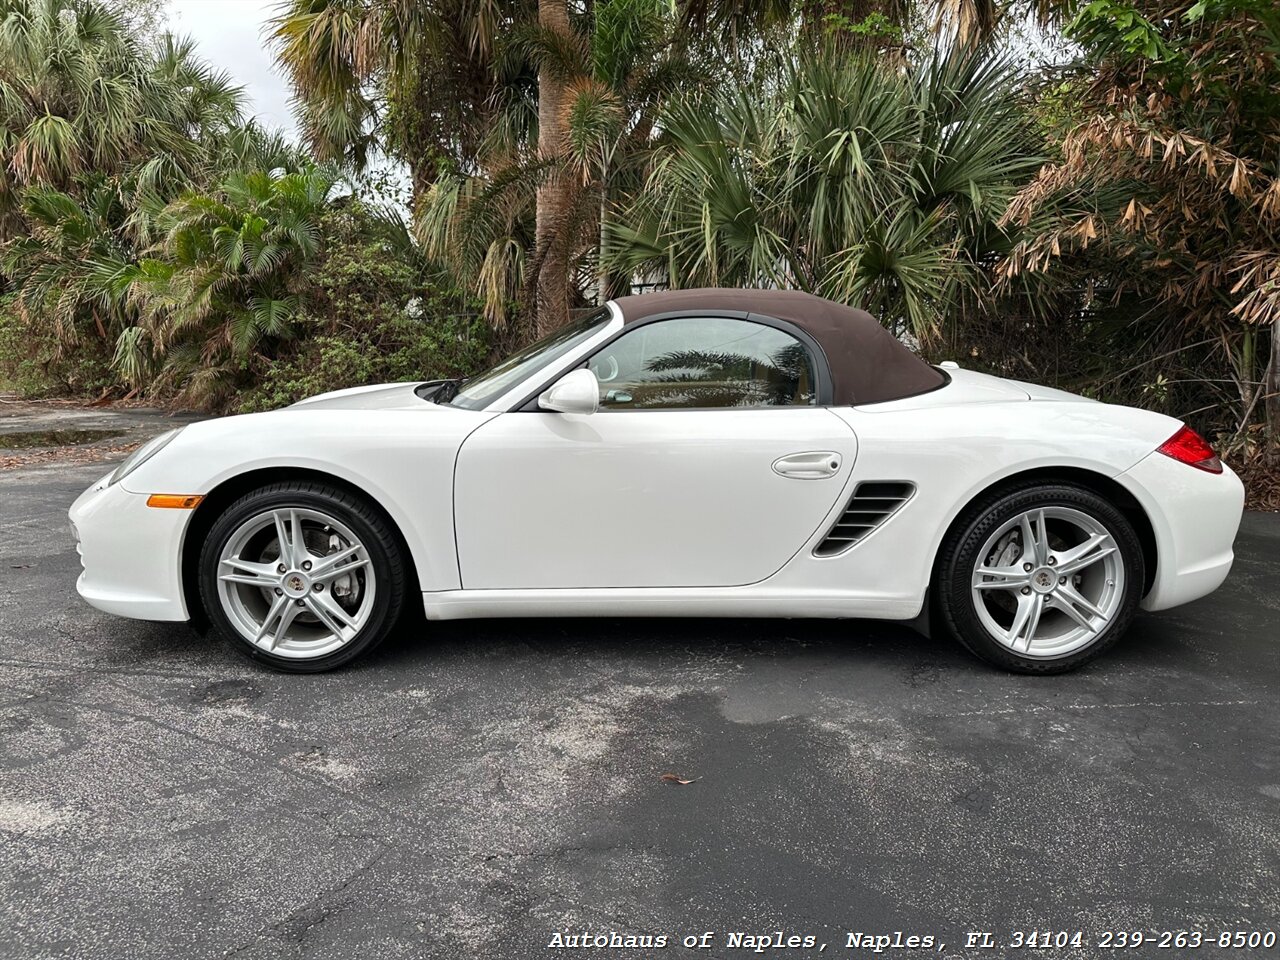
1040,579
302,577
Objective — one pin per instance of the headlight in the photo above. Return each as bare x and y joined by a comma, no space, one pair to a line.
142,455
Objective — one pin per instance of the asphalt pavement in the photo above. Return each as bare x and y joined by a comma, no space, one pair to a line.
487,789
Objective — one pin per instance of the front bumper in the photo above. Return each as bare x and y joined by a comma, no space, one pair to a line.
131,553
1195,516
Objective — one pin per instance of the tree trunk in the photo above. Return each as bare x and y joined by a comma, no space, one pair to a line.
604,282
1272,388
552,282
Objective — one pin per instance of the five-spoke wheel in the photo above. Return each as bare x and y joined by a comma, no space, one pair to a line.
1040,579
302,576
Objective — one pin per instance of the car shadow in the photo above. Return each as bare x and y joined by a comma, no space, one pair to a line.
659,639
1183,640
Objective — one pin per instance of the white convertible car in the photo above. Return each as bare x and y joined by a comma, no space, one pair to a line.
691,453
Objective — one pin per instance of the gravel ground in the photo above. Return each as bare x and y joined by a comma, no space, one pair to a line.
474,789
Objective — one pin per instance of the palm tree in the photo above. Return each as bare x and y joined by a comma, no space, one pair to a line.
222,287
413,78
71,266
554,193
79,92
850,178
99,131
458,88
724,378
613,71
511,116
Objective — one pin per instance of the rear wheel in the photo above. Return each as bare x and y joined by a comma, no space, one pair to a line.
302,577
1040,579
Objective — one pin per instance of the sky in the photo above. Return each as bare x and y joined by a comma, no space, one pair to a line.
230,36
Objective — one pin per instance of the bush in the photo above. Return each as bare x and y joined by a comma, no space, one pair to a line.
394,350
375,313
34,363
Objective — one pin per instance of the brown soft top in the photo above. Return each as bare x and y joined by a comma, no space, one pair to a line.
868,364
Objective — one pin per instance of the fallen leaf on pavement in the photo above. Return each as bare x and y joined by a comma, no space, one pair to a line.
673,778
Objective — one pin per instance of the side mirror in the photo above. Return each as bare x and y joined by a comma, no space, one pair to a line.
576,392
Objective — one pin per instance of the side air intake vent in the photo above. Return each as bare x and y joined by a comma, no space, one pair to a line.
872,504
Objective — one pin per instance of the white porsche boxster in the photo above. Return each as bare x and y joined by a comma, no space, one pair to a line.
690,453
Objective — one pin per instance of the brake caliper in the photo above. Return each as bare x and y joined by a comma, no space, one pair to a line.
341,586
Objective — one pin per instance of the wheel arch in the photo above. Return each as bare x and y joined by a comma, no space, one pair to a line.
233,488
1099,483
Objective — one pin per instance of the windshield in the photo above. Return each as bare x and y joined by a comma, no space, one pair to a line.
494,382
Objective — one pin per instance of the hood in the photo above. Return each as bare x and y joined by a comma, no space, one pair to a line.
380,396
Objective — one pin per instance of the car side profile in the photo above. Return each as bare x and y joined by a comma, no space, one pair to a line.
687,453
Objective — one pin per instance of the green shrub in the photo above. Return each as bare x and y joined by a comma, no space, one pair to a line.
375,313
395,350
34,363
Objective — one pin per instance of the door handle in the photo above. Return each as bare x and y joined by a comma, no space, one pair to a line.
811,465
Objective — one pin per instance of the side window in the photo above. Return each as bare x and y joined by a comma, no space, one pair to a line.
704,362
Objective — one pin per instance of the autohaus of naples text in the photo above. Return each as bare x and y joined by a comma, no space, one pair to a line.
740,940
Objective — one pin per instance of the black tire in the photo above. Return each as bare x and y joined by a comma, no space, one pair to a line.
952,577
368,524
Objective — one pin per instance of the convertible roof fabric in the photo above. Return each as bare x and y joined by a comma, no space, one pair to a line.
868,364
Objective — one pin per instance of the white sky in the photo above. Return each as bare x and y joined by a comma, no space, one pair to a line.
230,36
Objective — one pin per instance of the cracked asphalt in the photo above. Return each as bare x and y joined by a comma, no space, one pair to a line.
473,788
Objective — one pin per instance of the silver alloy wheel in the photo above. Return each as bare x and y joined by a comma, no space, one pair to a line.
296,582
1048,582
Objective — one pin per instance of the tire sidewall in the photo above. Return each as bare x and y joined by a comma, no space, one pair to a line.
386,601
954,573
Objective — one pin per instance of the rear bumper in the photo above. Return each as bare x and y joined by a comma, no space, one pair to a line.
1195,516
131,553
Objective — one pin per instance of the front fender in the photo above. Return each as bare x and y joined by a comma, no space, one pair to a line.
403,460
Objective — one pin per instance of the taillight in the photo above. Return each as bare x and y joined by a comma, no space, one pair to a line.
1187,446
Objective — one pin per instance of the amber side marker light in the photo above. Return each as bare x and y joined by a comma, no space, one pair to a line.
1187,446
174,501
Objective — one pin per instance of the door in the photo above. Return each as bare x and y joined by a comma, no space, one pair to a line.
709,463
